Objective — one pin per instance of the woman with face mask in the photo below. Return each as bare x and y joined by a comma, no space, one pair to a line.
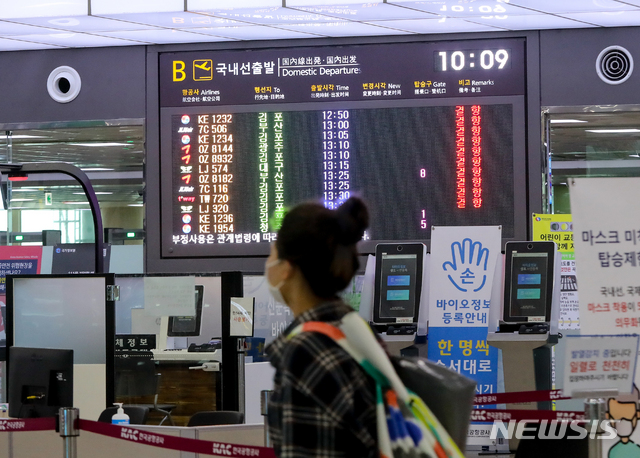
323,403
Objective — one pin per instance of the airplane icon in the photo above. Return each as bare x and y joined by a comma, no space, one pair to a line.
203,66
202,70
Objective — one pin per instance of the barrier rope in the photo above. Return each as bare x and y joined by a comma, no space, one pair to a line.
491,415
131,434
138,436
519,397
28,424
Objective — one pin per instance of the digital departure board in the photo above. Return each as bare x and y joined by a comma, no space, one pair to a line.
423,132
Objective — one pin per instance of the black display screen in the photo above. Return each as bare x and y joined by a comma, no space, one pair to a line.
235,174
423,139
398,285
529,285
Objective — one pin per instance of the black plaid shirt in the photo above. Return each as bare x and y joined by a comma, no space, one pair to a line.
323,403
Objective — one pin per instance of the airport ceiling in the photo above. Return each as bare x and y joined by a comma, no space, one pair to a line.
54,24
113,155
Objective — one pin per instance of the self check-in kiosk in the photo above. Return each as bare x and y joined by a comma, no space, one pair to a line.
393,293
529,325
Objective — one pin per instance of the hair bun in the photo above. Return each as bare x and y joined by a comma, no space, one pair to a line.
353,219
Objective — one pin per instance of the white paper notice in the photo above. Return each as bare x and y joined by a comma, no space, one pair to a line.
599,362
170,296
606,233
242,309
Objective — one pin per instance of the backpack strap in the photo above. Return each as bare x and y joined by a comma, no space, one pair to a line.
339,337
356,337
404,422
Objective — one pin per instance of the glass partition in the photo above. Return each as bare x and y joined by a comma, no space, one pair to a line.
111,153
67,313
589,142
146,349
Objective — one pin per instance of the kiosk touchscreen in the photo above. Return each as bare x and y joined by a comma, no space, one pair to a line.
529,274
398,282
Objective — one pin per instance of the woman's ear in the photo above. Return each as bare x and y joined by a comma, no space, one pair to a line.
288,269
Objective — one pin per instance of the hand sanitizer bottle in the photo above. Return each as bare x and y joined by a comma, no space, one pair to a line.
120,418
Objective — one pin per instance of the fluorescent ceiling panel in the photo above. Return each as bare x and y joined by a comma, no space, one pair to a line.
202,5
17,45
613,131
12,9
463,9
178,20
10,29
344,29
532,22
321,3
618,19
571,6
271,16
256,32
443,25
83,24
77,40
164,36
108,7
368,12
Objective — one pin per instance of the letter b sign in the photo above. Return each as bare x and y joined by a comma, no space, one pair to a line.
178,70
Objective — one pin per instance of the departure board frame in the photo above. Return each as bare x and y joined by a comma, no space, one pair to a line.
514,96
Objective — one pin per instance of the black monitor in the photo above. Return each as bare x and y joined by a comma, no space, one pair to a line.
529,274
188,326
40,381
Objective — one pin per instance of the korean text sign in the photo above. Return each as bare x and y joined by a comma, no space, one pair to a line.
606,223
463,261
559,228
600,362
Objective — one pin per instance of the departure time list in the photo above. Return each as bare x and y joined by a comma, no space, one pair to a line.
235,174
423,131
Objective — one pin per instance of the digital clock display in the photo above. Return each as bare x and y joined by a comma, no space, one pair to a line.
476,59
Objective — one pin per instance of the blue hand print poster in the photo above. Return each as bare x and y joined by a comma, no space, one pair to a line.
467,270
463,262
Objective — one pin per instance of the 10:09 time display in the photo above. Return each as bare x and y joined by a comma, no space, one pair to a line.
483,59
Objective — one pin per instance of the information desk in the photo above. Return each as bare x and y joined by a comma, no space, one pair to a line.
190,390
184,355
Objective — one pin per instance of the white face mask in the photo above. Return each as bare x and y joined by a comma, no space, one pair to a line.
624,427
275,290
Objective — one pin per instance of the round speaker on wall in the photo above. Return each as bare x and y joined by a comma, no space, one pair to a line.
64,84
614,65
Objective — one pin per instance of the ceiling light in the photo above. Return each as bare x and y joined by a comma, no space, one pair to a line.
21,200
613,131
107,7
96,169
75,203
136,205
565,121
97,193
100,144
18,137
